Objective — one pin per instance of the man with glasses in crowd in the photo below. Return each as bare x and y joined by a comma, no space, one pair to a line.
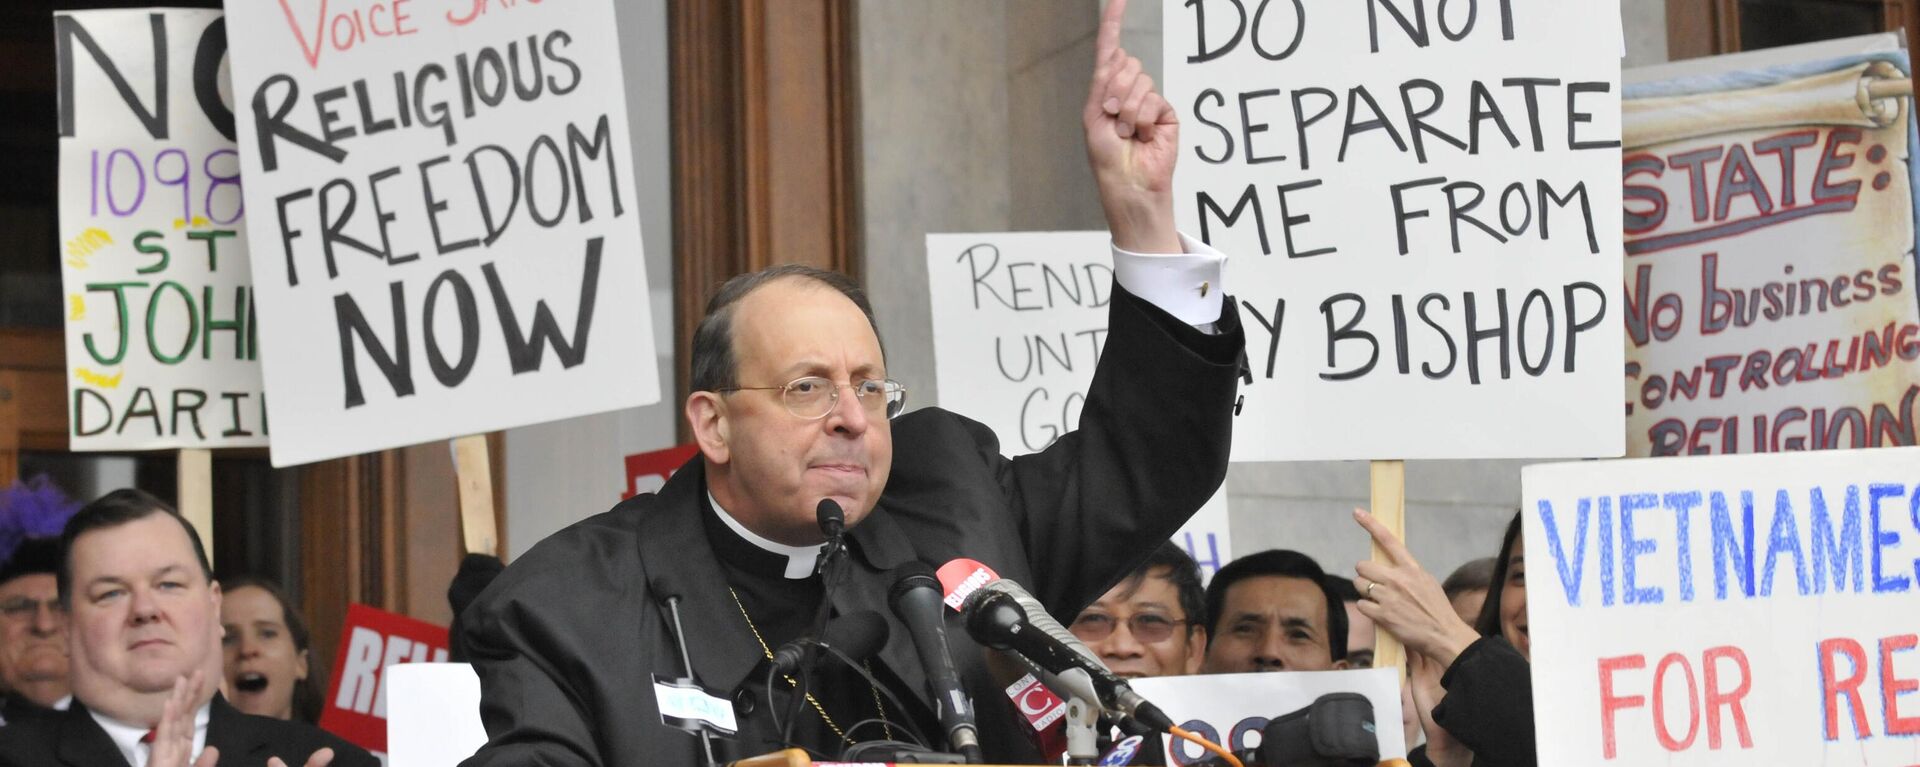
33,634
791,404
1153,622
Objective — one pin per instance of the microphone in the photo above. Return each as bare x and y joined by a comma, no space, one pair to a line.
856,636
1002,615
833,525
665,584
916,599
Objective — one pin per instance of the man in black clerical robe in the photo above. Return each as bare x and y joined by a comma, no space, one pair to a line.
791,404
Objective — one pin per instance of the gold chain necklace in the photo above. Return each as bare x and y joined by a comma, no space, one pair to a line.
886,728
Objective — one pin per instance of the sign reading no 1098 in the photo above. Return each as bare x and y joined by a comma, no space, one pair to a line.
122,182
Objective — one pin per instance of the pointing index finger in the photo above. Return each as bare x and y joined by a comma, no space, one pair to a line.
1109,36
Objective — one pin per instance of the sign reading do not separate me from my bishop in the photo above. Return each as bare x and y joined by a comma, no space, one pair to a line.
1420,203
446,234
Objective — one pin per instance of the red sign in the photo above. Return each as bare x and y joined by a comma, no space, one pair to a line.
646,472
371,641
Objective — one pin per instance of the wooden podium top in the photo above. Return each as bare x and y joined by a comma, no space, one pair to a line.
794,757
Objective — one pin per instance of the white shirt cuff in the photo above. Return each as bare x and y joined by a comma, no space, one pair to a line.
1187,285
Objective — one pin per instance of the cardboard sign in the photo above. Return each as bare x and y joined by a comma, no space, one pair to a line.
1232,709
162,344
1727,610
1019,320
1418,203
449,238
1771,302
648,472
372,640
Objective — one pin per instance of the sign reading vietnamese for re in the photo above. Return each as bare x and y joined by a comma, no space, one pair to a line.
449,234
1726,610
1771,302
162,344
1419,201
1019,321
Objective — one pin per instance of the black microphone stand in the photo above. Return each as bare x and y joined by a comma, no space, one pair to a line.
833,524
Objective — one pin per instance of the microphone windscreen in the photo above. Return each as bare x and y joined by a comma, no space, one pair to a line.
961,577
912,575
830,517
858,635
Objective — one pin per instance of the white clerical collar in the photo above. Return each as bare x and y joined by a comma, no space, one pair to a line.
800,559
63,703
126,737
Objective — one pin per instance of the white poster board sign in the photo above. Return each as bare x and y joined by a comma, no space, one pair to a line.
1019,321
1726,610
162,344
1419,202
1232,709
1770,278
448,240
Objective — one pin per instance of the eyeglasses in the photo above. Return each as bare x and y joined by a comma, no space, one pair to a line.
813,397
1145,627
23,609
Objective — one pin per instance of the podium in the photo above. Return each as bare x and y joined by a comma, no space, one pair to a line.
794,757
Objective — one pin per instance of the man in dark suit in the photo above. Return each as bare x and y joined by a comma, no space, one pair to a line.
791,404
145,643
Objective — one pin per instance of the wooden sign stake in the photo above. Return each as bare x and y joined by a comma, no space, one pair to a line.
473,470
194,483
1389,507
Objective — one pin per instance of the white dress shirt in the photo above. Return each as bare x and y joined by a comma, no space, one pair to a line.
127,737
1189,286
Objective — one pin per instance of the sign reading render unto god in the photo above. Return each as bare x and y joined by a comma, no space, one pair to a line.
446,232
1726,610
1019,322
162,340
1420,204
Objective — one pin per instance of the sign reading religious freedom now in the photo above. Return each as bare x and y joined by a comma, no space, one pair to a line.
447,238
161,339
1019,320
1771,300
1726,610
1420,203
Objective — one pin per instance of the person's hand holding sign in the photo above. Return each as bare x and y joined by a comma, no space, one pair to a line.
1133,138
1407,602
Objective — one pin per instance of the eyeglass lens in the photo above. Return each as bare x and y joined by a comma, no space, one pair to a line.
1145,627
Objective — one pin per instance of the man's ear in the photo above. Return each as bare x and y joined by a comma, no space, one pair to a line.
1340,665
707,417
1196,648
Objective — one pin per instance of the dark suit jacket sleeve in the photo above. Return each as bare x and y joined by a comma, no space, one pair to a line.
1489,704
1150,449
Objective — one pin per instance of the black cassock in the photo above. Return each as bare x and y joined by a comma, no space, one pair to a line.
568,641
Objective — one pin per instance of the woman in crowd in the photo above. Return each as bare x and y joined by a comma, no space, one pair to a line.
269,671
1471,684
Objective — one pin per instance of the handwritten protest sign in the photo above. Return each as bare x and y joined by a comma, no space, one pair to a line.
1418,201
162,344
371,641
1231,709
1726,610
449,240
1019,320
1770,288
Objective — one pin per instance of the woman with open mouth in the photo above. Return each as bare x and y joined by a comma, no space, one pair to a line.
267,665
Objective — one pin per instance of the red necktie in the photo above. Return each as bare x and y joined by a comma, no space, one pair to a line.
148,738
